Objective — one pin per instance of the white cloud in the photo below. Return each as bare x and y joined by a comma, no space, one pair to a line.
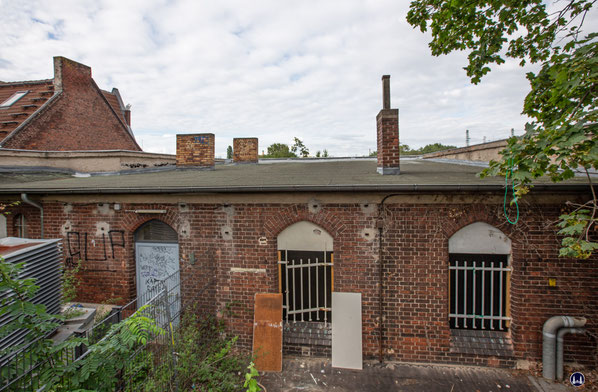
271,69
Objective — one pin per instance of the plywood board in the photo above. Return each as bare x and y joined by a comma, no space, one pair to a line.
346,331
267,332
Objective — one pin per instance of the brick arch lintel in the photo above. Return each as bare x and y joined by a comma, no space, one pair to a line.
291,215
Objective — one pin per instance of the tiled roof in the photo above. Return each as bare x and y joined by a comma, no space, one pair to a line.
113,101
39,91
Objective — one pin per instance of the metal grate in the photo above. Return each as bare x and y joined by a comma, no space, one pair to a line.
306,282
479,291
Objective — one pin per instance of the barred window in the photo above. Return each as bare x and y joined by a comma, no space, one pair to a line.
479,278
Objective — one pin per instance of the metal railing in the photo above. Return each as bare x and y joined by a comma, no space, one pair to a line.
306,288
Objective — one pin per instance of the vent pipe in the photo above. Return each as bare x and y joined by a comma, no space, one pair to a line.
26,200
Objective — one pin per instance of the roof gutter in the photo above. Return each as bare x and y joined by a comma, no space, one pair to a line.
403,188
26,200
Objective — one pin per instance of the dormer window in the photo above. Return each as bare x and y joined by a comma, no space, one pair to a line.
13,98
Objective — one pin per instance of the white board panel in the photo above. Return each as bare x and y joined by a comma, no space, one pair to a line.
346,331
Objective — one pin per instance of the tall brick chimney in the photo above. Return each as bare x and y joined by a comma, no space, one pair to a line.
387,122
69,73
195,150
245,150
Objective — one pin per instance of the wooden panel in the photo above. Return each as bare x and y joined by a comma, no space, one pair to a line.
267,332
346,331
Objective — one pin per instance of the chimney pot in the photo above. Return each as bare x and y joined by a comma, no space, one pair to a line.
385,91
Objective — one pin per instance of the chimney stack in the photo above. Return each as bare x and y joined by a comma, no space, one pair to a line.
387,122
195,150
245,150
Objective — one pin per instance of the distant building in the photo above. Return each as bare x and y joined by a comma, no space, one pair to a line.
67,113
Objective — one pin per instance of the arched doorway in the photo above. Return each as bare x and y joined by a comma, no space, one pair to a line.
156,258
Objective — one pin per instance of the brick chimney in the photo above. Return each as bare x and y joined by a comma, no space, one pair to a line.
387,122
245,150
69,73
195,150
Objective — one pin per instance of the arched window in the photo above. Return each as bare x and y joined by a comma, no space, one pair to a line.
479,273
306,272
156,231
20,226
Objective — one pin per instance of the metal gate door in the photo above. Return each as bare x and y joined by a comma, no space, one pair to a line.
157,261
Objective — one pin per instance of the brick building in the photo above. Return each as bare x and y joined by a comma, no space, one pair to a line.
66,113
443,276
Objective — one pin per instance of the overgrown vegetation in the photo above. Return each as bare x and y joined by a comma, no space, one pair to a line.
132,356
562,103
206,360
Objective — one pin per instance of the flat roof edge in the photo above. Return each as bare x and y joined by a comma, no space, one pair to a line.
410,188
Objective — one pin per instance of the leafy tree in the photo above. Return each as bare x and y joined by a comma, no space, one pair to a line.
318,154
433,148
300,148
561,138
229,152
325,153
279,150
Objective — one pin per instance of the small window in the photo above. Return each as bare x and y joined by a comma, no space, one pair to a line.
20,226
13,98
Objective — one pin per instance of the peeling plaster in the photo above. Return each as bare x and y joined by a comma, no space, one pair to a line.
314,206
185,229
66,227
368,234
102,228
367,207
68,208
227,233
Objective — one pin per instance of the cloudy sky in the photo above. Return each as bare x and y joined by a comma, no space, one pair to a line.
266,69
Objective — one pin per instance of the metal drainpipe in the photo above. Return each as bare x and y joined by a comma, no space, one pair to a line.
26,200
549,331
559,348
380,225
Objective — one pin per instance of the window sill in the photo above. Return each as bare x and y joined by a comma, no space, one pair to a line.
481,342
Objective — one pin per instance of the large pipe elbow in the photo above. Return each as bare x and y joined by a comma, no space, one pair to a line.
560,343
549,331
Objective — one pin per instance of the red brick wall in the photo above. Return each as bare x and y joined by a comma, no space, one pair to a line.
195,149
415,257
245,150
80,119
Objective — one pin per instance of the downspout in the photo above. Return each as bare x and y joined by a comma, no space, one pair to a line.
559,348
380,226
549,331
26,200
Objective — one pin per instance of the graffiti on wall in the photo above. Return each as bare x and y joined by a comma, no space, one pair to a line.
79,246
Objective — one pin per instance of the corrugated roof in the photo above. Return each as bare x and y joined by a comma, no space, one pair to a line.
347,175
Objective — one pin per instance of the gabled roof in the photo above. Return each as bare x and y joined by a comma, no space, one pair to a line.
42,96
38,92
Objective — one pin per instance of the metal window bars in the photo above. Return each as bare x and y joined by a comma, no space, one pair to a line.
478,293
306,286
